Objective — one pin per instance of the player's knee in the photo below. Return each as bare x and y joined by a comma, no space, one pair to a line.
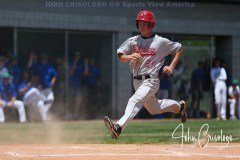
154,112
40,104
151,112
20,104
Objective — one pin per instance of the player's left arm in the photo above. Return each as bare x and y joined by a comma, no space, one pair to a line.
169,69
54,76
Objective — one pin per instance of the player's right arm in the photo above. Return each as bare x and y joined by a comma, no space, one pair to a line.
125,51
126,58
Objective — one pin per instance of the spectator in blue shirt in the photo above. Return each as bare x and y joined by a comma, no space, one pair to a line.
3,69
76,70
93,74
164,88
14,70
91,81
33,63
8,99
197,90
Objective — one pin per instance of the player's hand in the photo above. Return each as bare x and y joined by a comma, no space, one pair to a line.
10,104
1,103
135,56
168,70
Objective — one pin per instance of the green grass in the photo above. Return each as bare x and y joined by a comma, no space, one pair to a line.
138,132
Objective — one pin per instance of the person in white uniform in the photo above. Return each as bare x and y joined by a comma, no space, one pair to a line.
218,77
146,54
233,99
32,96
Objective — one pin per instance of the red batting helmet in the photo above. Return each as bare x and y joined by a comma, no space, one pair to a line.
147,16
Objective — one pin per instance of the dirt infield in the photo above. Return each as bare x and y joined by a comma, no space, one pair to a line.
118,152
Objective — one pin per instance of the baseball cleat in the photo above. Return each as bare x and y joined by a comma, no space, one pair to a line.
182,112
114,129
233,118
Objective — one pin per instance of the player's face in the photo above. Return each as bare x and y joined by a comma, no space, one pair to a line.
144,28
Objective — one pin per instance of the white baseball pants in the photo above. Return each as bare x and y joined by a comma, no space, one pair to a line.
220,92
232,105
145,96
48,93
21,111
34,98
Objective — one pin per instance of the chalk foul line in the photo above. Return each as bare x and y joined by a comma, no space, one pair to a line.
177,154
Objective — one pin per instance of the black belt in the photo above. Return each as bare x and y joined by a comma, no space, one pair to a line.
141,77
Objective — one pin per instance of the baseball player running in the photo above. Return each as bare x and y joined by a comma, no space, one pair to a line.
146,54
